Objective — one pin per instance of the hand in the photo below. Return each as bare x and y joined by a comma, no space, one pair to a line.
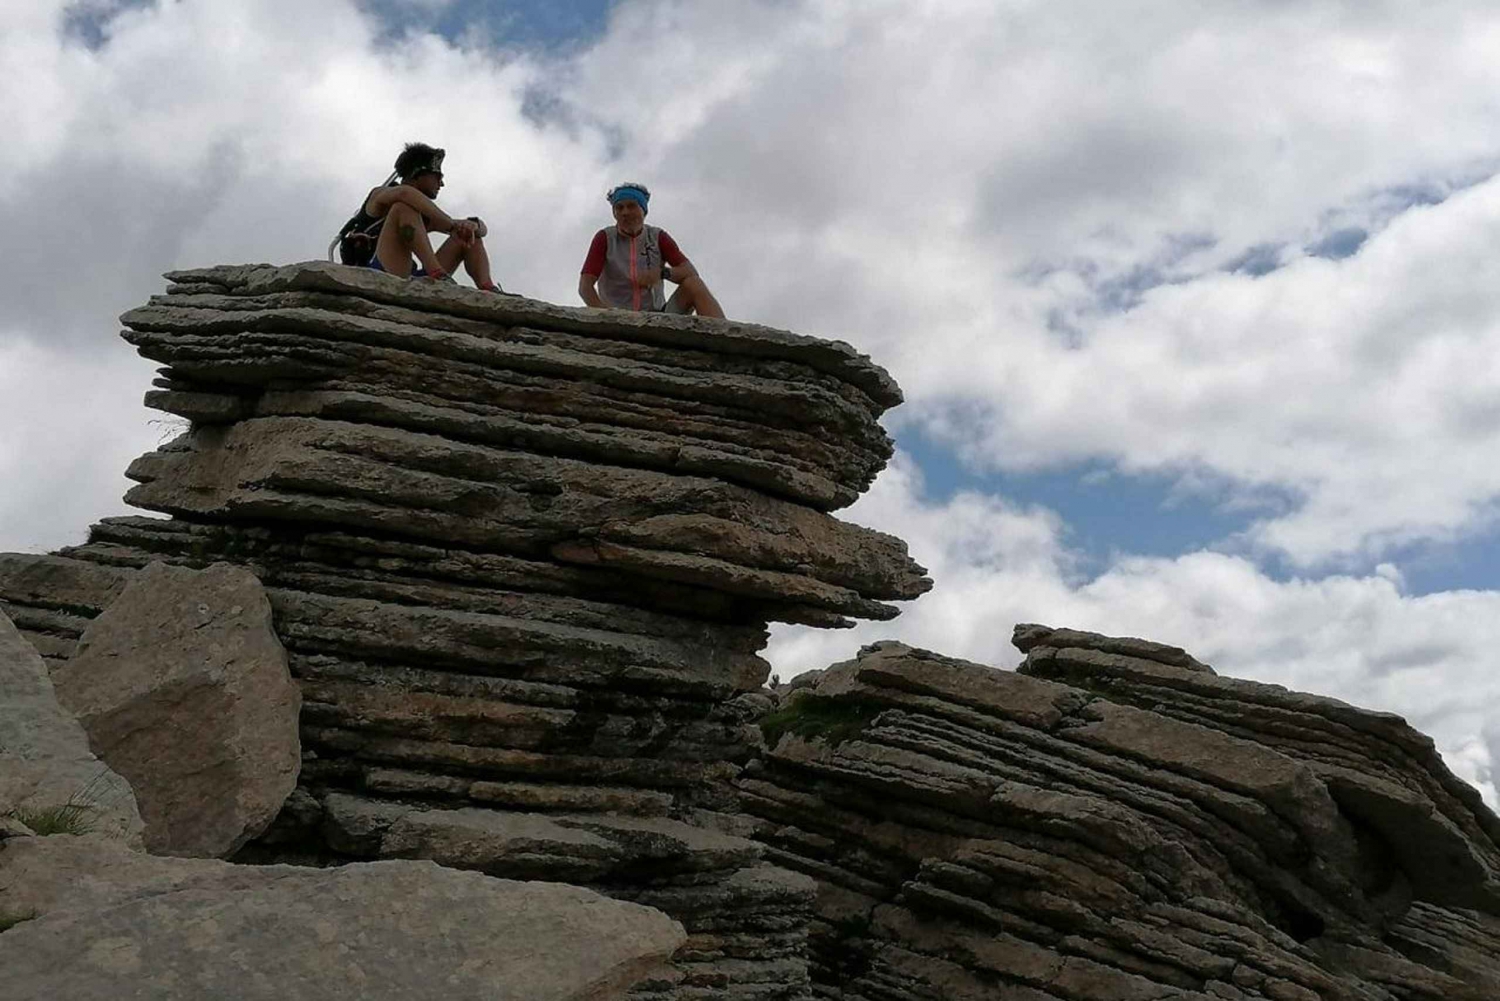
464,231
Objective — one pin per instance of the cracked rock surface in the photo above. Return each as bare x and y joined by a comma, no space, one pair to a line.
1115,820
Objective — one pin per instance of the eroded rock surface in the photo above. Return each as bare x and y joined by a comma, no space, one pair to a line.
48,775
183,688
100,921
1117,821
522,559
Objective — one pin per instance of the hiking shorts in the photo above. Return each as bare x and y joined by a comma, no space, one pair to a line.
375,265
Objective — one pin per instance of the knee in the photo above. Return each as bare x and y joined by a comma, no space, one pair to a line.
402,215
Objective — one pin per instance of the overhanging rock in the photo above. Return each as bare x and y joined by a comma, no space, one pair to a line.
522,558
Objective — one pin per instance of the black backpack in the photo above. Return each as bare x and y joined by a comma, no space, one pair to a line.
357,239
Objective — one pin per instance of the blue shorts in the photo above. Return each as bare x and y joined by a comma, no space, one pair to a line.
375,265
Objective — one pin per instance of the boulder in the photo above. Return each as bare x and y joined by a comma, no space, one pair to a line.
183,688
93,920
49,778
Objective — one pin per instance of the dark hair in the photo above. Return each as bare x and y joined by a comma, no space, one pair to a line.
419,158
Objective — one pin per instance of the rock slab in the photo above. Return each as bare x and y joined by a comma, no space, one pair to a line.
110,923
1114,820
183,688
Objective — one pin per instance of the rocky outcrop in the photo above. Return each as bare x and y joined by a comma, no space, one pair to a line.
49,778
183,688
1116,821
522,559
89,919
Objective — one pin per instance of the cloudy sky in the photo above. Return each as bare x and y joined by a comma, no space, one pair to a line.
1195,302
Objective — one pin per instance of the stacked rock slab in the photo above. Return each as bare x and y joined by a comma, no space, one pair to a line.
1116,822
522,559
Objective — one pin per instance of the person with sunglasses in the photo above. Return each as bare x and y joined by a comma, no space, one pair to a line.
627,263
399,215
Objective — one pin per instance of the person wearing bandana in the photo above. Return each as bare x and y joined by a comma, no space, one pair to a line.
399,216
629,262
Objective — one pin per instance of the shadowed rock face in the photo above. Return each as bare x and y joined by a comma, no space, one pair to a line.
1114,820
521,559
103,922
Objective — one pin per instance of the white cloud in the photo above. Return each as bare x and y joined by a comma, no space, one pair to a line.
62,462
1429,658
970,191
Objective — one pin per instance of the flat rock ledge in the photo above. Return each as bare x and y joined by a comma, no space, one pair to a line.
86,918
1115,821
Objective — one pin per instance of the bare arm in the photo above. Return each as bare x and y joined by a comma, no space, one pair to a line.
588,291
381,200
679,273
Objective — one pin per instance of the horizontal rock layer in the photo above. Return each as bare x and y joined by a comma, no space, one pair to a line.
85,918
746,920
1118,822
521,559
787,414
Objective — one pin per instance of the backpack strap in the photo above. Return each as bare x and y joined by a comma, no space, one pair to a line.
353,223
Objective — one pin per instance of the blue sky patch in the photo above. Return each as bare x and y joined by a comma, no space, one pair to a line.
1341,243
1261,259
534,24
88,23
1107,513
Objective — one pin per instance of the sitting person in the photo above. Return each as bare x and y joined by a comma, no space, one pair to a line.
398,217
627,262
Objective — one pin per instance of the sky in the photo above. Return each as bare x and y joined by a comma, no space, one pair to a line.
1194,302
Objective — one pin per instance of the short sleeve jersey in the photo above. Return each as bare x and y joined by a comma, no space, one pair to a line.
593,264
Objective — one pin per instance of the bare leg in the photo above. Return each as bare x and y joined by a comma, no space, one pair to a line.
475,258
693,296
403,235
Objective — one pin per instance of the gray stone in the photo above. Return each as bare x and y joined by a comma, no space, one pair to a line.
1158,831
47,772
108,923
183,688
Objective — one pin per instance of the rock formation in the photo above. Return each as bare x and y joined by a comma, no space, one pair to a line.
1115,821
522,559
99,921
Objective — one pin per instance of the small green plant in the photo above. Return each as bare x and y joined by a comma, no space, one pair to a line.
78,815
832,719
65,818
7,922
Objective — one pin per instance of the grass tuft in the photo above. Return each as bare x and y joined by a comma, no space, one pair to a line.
65,818
817,716
79,815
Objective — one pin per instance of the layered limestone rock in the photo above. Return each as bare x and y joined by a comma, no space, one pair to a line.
521,558
1116,821
82,917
